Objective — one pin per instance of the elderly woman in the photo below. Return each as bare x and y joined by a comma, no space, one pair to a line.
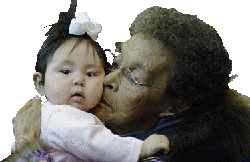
171,78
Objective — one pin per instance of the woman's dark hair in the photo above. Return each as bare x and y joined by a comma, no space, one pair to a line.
201,69
58,34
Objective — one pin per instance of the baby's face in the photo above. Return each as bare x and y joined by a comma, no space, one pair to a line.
74,78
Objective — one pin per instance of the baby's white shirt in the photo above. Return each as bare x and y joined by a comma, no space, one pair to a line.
75,135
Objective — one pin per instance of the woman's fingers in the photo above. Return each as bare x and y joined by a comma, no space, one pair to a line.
27,124
36,102
31,103
26,106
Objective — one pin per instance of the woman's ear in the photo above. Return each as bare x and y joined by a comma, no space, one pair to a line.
38,82
165,109
176,107
118,46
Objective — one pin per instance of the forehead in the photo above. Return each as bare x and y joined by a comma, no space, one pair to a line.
78,52
143,40
144,49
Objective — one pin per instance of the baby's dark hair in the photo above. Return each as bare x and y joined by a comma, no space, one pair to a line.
58,34
201,69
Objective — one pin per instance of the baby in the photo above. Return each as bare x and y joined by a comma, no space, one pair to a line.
70,71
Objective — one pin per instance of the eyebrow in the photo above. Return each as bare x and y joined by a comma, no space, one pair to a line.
132,63
91,66
66,62
137,64
71,63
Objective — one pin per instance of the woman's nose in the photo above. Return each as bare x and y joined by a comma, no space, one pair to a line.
111,80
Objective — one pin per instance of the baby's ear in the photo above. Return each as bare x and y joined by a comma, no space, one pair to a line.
38,82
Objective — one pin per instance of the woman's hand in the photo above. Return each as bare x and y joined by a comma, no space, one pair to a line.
27,125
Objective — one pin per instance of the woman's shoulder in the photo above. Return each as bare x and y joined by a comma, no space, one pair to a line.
201,152
220,134
206,153
237,113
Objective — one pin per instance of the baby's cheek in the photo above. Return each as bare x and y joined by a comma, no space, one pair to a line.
57,94
94,96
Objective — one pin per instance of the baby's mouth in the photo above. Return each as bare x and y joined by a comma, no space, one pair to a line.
77,94
77,97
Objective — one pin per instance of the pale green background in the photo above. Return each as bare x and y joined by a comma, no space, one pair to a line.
22,33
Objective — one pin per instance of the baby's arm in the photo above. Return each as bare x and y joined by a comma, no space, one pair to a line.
154,144
83,135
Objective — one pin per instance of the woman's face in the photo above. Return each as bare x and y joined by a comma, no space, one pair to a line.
127,105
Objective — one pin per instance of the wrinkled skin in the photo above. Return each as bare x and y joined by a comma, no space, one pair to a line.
22,131
27,126
135,107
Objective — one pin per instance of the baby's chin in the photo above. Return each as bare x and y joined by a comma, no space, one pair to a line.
80,107
103,112
77,105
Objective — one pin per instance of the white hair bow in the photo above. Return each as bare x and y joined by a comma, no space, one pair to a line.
82,24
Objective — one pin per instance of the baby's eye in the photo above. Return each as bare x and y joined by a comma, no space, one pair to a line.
66,72
91,74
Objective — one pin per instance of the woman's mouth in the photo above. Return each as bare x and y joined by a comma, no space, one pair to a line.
103,111
105,105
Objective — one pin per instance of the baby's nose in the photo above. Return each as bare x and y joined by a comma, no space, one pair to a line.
80,83
79,80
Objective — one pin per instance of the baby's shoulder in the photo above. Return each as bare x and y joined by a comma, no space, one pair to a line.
68,116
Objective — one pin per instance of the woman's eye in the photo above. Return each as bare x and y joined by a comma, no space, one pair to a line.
115,66
65,71
91,74
129,75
